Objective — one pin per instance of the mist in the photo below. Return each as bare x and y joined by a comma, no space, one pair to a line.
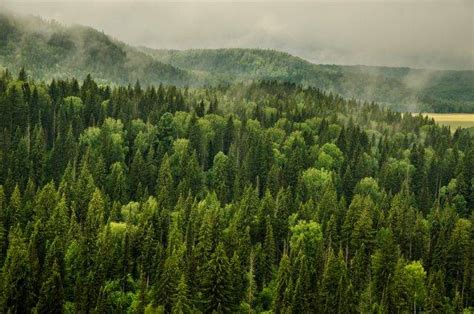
420,34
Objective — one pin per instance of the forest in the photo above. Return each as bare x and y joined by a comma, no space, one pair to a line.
258,197
50,50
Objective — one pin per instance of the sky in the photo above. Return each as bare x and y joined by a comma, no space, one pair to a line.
437,34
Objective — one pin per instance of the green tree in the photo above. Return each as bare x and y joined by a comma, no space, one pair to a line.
216,283
169,280
283,285
415,282
222,177
52,294
301,301
16,275
434,300
165,184
307,237
334,283
181,302
384,261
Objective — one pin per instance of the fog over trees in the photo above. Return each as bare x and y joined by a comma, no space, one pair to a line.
202,157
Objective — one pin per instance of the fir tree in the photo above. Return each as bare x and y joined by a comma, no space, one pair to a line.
217,284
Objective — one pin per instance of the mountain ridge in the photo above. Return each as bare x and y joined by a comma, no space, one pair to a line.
396,86
48,49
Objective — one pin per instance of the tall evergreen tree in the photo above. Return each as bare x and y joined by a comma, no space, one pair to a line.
16,275
216,283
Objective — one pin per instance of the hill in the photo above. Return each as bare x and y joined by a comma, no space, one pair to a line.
48,49
402,88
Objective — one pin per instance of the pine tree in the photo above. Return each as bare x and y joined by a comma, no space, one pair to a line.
383,264
22,165
251,284
222,177
137,174
196,138
216,283
283,284
51,297
117,183
228,134
38,154
36,254
168,280
82,192
45,201
334,283
15,212
181,302
200,109
19,107
358,269
238,279
401,217
95,214
270,254
165,184
22,75
363,233
167,132
141,301
16,284
302,293
434,299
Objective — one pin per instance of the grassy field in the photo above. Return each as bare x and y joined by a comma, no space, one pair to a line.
454,120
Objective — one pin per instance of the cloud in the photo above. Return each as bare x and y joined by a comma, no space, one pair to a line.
428,34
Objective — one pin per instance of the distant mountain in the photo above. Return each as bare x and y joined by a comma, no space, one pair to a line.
48,49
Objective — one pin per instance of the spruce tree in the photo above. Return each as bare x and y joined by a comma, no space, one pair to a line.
51,296
217,283
16,287
181,302
282,285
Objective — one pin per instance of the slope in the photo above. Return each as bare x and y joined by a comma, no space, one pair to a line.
402,88
48,49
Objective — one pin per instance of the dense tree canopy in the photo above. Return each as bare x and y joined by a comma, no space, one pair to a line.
51,50
246,198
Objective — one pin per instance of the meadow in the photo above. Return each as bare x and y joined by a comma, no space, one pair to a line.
454,120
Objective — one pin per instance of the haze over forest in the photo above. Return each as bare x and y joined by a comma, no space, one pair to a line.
420,34
115,46
232,157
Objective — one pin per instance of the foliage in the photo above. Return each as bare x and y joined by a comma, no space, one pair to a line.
50,50
276,197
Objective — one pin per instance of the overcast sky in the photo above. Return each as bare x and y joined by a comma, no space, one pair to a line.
417,33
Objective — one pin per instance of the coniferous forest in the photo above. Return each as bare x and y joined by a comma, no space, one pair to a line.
249,197
49,50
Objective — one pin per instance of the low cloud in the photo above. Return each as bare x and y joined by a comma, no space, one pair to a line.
422,34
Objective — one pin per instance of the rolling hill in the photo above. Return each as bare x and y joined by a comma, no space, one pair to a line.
47,49
402,88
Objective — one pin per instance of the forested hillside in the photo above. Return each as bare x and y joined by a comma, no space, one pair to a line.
50,50
257,197
400,88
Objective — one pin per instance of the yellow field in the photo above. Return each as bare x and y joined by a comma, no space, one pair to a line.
454,120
